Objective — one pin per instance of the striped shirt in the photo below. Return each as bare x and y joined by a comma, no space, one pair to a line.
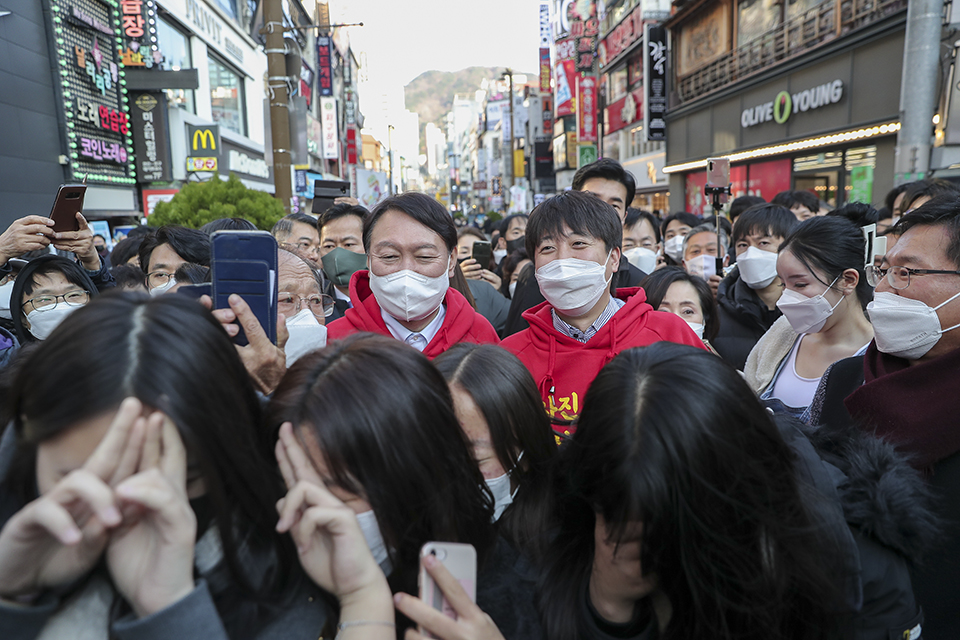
570,331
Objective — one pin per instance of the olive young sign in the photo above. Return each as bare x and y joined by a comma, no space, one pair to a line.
785,104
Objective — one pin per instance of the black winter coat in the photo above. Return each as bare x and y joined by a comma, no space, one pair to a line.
743,320
936,580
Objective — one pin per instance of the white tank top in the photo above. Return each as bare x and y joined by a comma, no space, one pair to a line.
791,389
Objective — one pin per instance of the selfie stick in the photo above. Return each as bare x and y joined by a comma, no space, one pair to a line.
714,193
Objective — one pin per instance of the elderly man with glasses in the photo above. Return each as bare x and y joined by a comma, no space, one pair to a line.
905,388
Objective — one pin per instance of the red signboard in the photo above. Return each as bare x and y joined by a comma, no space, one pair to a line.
351,145
764,179
622,38
586,109
624,112
566,85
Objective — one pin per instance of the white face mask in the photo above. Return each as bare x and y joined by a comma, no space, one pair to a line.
674,247
499,254
702,266
758,268
5,292
807,315
371,533
512,288
156,291
642,258
500,488
573,286
306,335
904,327
408,295
44,321
697,328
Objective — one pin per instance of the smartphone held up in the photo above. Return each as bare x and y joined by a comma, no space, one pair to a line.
461,561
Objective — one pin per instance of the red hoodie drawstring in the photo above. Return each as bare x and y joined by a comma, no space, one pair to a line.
551,363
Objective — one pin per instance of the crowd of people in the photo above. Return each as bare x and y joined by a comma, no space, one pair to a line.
646,427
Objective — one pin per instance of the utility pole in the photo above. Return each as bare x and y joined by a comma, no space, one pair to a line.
279,100
390,153
918,89
508,73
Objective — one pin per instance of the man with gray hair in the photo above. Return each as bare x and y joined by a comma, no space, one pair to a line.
700,253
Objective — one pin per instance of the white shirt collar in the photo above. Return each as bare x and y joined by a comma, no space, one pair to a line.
340,295
403,334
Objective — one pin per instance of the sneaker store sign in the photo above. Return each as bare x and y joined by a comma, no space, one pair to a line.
786,104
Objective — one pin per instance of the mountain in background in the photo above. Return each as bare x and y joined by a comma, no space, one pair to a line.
430,95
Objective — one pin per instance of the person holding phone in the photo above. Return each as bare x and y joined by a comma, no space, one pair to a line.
484,284
398,459
138,498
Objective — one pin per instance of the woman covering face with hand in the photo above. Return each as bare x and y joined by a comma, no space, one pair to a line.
139,502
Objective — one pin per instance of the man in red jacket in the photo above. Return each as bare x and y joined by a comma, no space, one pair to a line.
574,240
405,292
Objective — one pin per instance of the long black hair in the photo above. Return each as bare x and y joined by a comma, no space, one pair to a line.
171,354
383,418
25,284
507,396
658,283
725,532
833,243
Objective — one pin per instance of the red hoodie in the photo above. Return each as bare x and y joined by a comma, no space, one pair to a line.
563,368
460,324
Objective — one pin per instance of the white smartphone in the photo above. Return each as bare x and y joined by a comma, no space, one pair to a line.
460,560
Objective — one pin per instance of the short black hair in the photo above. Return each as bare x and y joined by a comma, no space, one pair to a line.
581,213
140,231
892,196
634,216
228,224
128,276
509,220
741,204
98,235
790,199
339,211
608,169
658,283
125,249
189,273
944,211
471,231
421,208
192,245
684,217
931,187
764,219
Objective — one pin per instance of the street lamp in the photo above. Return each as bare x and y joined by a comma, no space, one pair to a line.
508,75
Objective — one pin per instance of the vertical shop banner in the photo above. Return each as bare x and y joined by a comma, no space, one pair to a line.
90,37
566,76
138,22
655,82
544,69
306,82
324,67
352,145
545,41
587,108
148,116
328,123
203,147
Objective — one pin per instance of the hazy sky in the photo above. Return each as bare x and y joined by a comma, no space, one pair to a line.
404,38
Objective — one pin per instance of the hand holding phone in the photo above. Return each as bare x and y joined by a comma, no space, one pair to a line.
461,561
25,234
68,204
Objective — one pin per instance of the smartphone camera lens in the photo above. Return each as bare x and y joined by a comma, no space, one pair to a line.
440,554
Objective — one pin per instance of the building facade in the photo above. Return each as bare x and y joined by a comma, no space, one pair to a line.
802,95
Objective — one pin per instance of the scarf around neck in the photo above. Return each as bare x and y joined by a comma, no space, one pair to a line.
915,407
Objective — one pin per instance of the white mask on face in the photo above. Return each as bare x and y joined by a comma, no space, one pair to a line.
306,335
807,315
758,268
697,328
512,288
642,258
904,327
499,254
371,533
5,292
156,291
500,488
573,286
408,295
674,247
702,266
44,321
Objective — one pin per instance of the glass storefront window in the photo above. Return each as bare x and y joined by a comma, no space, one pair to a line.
837,177
175,47
226,97
230,6
611,146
